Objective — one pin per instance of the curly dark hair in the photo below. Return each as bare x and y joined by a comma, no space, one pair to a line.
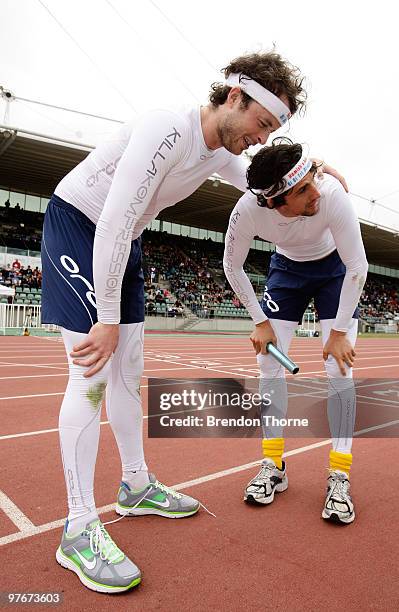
270,164
271,71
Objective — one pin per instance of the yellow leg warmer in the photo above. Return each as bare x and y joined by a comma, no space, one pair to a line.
273,449
340,461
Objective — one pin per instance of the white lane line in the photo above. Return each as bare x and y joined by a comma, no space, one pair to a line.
240,375
245,351
35,530
300,361
196,367
47,394
25,350
31,376
27,396
28,433
355,369
379,401
184,485
252,363
30,356
55,430
50,366
236,370
241,468
188,367
42,431
210,369
15,514
183,368
382,403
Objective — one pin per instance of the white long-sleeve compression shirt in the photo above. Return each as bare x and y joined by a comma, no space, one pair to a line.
127,180
334,226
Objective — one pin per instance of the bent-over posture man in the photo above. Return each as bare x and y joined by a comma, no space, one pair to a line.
320,255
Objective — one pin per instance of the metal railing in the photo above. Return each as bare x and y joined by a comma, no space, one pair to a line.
14,317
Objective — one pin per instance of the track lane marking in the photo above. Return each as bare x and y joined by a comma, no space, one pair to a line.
36,530
15,514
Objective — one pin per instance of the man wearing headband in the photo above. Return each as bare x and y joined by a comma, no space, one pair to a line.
319,255
93,284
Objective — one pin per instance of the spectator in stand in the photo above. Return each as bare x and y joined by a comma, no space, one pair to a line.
17,278
379,299
179,307
159,297
150,308
7,275
16,264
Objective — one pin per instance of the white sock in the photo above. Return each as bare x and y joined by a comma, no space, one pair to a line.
137,480
76,524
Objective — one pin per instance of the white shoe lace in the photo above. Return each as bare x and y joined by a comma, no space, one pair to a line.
167,490
177,495
265,472
340,485
164,489
206,509
102,544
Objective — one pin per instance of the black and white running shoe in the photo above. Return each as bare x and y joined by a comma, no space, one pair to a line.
338,506
267,482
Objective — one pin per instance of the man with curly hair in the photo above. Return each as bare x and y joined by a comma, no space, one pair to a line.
93,285
319,255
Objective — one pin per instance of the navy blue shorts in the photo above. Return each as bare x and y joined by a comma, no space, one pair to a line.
290,286
68,296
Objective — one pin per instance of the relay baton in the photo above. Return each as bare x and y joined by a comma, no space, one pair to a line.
285,361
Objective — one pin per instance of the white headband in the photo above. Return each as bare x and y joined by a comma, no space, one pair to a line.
262,95
292,177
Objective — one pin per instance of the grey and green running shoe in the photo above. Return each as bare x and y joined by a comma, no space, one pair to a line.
156,498
96,559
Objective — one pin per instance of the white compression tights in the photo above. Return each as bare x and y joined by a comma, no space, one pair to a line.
341,403
79,421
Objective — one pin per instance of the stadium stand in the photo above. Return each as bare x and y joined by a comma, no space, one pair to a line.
183,276
379,302
26,282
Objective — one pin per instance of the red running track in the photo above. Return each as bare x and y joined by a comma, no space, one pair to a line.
282,557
